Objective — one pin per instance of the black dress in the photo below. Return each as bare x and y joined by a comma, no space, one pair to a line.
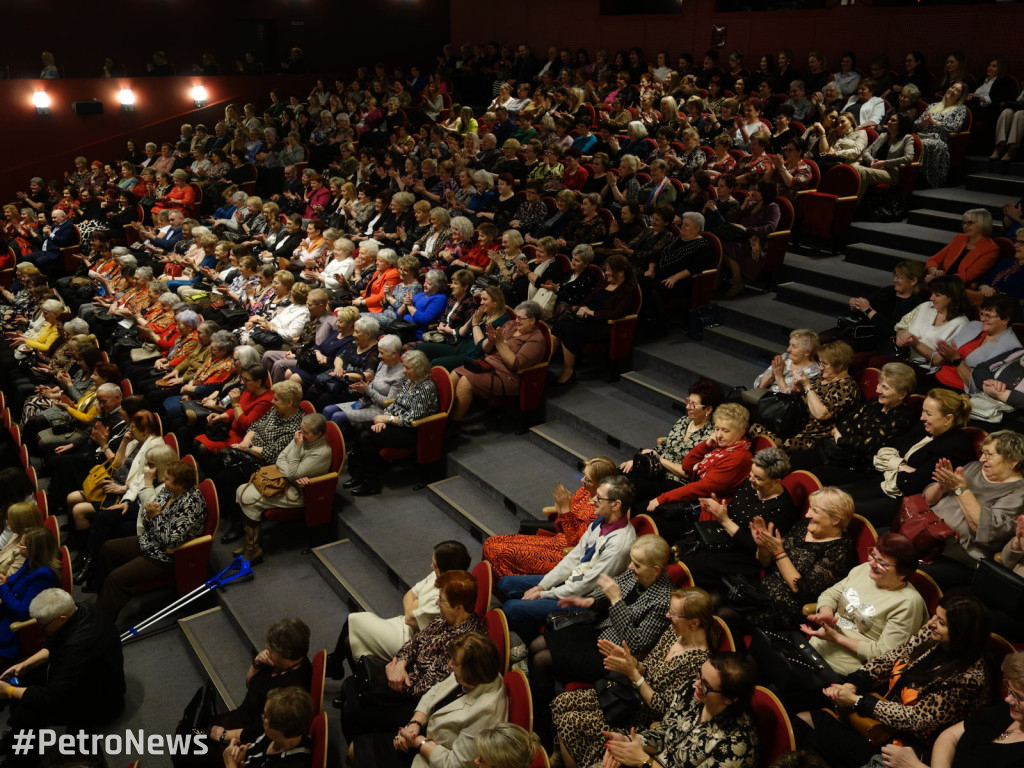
977,746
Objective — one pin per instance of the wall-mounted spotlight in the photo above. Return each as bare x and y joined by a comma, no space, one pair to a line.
41,101
126,97
199,96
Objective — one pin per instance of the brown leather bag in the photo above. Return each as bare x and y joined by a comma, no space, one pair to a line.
269,481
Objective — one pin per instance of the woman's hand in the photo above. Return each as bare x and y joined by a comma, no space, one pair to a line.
398,678
947,351
996,389
844,695
617,658
609,587
950,478
715,508
770,540
897,756
623,752
575,602
905,338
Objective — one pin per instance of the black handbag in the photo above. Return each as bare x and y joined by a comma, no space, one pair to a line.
712,536
782,414
619,699
233,458
199,712
306,360
744,596
372,684
557,621
269,340
999,587
791,663
646,466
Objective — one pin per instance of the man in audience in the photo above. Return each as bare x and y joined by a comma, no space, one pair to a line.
77,679
61,233
604,548
798,100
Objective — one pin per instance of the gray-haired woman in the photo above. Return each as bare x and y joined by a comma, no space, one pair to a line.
306,456
727,545
387,382
393,428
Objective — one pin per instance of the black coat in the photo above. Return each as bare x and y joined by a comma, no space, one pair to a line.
952,444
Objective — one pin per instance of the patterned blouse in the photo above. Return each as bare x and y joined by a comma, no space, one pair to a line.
677,445
414,402
185,346
273,432
214,371
426,655
181,520
838,396
820,565
530,216
728,740
866,429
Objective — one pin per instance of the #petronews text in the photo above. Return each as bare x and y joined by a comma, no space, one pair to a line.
138,743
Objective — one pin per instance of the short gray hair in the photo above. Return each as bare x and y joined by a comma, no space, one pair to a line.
144,272
370,247
389,343
419,363
223,340
404,199
483,177
50,604
208,327
442,214
437,277
367,325
585,252
169,299
248,355
696,218
388,256
531,308
773,461
53,305
108,388
188,317
127,260
462,225
315,423
76,326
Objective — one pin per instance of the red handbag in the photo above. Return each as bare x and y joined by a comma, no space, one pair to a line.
927,531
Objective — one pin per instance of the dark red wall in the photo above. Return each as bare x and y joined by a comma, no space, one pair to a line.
979,30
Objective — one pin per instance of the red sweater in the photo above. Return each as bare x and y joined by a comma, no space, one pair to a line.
981,258
728,468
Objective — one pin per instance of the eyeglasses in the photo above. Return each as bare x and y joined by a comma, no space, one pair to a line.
604,498
1018,698
987,316
704,688
677,615
876,558
695,403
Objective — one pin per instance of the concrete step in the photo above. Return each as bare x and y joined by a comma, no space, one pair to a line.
659,389
221,650
773,320
607,413
472,508
982,164
880,257
813,297
530,474
571,446
675,365
996,183
356,578
949,221
906,237
741,343
399,530
832,273
957,200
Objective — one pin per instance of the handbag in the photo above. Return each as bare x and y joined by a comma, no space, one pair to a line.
269,481
560,620
371,682
782,414
998,587
233,458
713,537
927,531
646,466
478,366
546,298
790,662
92,487
744,596
306,360
199,712
269,340
619,699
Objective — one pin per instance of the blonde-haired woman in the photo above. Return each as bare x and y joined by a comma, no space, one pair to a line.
933,128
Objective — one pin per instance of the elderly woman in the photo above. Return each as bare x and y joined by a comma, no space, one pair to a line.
305,457
860,432
286,719
993,736
744,233
573,513
516,346
647,246
980,501
176,515
248,402
217,369
936,678
716,465
871,611
260,446
416,667
933,128
395,297
286,324
630,609
906,467
423,308
969,255
725,544
828,397
181,195
617,298
71,422
800,566
543,271
367,634
989,338
282,664
393,428
669,272
781,375
579,283
356,361
443,731
675,659
435,238
386,278
713,726
388,380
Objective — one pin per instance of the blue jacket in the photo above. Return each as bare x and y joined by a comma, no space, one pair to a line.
16,596
60,237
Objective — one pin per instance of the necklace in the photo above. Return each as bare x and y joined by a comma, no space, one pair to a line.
1008,732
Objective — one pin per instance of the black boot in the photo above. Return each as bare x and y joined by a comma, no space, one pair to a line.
85,571
370,486
233,534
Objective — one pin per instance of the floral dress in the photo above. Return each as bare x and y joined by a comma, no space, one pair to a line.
578,718
677,445
728,740
838,396
539,553
935,140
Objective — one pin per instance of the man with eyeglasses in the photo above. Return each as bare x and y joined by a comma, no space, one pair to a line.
318,329
604,548
76,680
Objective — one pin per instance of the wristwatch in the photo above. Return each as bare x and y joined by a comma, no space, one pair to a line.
959,490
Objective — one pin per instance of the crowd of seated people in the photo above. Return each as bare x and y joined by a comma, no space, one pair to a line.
377,246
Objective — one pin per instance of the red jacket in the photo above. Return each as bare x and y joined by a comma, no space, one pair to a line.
976,263
729,467
374,293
